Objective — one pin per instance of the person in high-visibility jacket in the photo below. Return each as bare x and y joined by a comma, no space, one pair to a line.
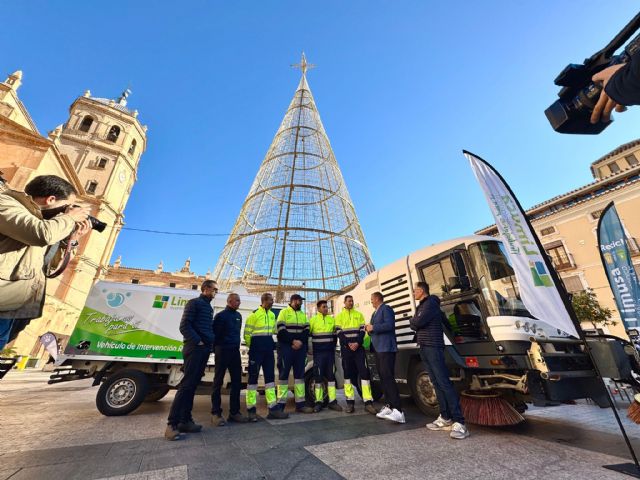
293,338
323,340
350,331
258,335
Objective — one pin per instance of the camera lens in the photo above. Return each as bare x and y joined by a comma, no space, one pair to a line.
96,224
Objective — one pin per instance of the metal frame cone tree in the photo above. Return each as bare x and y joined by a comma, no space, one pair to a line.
297,231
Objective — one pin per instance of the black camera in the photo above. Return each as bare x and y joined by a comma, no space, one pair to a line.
96,224
571,113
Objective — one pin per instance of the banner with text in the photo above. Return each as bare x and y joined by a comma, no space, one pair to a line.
616,259
537,288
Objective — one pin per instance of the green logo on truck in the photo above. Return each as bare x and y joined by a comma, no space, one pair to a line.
169,301
161,301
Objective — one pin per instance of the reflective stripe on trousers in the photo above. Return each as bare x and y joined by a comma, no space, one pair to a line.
319,391
348,390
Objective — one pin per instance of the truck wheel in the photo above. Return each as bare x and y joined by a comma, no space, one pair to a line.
157,393
122,393
422,390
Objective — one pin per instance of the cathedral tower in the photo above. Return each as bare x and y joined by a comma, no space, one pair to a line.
103,141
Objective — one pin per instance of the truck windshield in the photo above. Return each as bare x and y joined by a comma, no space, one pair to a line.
496,278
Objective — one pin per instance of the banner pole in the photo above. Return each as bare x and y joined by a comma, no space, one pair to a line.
630,469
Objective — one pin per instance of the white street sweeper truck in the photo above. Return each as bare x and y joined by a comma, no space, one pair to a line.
493,344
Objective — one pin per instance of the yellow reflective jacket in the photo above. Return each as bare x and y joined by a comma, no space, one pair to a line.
260,328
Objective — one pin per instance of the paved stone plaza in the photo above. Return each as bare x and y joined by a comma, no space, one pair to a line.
54,432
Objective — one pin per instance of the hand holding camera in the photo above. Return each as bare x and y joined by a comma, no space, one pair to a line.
78,213
604,107
82,228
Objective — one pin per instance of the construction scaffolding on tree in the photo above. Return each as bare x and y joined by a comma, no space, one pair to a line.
297,231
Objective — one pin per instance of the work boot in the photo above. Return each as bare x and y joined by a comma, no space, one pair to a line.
305,409
172,433
253,417
317,408
189,427
350,408
217,420
335,406
238,418
277,415
370,408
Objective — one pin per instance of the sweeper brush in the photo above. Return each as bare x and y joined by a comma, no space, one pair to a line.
489,409
634,409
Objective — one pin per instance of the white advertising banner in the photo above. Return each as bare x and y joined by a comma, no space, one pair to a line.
537,288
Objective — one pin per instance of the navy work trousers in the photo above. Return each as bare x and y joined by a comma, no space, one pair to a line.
227,358
323,366
354,365
262,358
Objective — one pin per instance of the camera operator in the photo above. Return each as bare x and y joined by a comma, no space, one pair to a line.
28,226
621,87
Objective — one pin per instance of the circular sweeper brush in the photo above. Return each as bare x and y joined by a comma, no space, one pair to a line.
488,408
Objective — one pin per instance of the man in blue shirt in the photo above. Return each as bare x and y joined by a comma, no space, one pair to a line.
226,328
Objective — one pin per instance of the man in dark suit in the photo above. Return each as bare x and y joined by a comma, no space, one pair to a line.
382,330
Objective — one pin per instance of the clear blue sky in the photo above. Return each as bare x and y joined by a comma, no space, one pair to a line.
402,87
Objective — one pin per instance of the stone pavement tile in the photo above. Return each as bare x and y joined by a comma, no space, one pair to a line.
54,455
81,470
135,447
188,456
590,416
238,469
287,462
7,472
222,461
418,454
174,473
266,444
310,417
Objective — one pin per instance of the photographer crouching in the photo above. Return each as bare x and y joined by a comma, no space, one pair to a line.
30,224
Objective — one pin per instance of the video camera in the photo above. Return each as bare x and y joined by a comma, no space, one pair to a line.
571,113
96,224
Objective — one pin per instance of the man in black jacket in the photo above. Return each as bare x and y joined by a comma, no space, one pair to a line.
427,323
226,329
196,327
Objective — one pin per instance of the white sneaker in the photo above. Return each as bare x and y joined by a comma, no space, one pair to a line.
459,431
395,416
440,424
384,412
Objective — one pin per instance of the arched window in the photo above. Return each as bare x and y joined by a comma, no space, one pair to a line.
87,121
114,133
132,148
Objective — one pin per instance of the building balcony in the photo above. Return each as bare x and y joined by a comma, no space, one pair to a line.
563,262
